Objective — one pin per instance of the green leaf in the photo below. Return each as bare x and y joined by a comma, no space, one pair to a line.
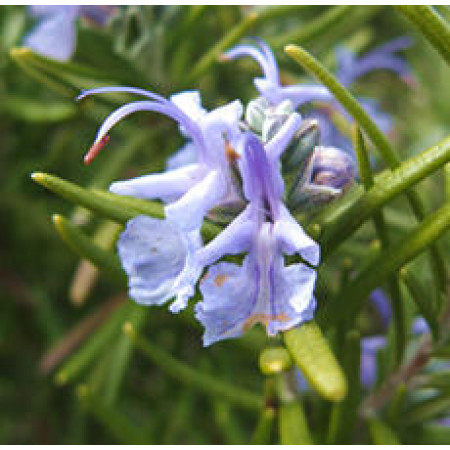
315,27
389,260
36,111
83,246
65,77
109,206
421,296
427,410
432,26
122,352
194,378
313,356
97,342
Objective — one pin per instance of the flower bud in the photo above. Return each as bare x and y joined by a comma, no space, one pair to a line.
302,145
332,168
255,113
328,173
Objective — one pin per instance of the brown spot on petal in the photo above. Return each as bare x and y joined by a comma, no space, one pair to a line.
264,319
220,279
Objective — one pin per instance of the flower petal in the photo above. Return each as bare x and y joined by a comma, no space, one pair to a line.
54,37
293,238
188,212
154,254
171,184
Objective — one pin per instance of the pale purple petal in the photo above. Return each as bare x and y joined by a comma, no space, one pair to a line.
420,326
229,294
172,184
154,254
235,298
303,93
100,14
278,144
190,103
54,36
190,209
293,238
382,304
265,61
184,156
234,239
370,347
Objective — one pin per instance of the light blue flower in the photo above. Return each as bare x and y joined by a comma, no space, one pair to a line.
55,34
204,179
263,289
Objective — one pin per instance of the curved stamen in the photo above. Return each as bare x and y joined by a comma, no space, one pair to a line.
167,109
124,89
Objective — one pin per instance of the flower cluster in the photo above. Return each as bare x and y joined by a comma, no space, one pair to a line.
236,164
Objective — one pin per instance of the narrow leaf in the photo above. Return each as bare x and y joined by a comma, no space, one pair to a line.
83,246
345,413
389,260
432,26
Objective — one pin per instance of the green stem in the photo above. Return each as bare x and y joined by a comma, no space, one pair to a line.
432,26
345,413
192,377
315,27
263,430
96,343
389,260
